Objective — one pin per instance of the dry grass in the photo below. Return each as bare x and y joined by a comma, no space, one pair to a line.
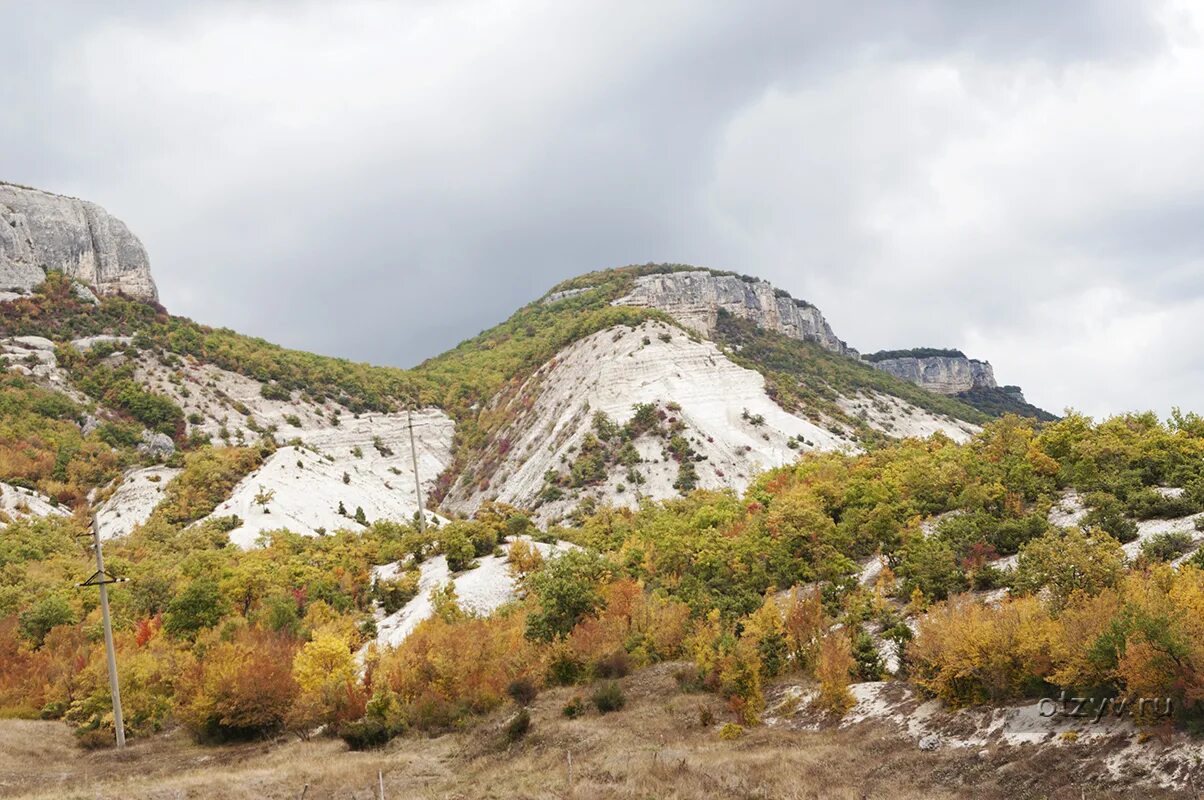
654,748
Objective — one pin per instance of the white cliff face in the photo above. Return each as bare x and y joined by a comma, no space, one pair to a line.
695,299
331,455
40,231
729,420
941,374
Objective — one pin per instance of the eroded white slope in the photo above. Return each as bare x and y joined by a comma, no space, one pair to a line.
363,463
481,590
331,455
19,503
133,501
615,369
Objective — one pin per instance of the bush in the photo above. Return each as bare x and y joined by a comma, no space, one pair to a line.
566,589
365,734
731,731
564,669
1068,562
1166,546
457,548
1108,514
242,689
608,697
199,606
616,664
518,726
46,614
833,669
394,593
1153,504
523,691
574,708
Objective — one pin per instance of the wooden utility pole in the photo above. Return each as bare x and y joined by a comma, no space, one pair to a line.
103,579
414,461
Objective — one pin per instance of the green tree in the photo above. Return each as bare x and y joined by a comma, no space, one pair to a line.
1067,562
566,590
47,613
199,606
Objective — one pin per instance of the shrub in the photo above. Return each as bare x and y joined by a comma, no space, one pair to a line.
731,731
365,734
242,688
966,652
1166,546
199,606
1069,562
327,681
1108,514
518,726
833,668
608,696
457,548
574,708
393,594
616,664
523,691
45,615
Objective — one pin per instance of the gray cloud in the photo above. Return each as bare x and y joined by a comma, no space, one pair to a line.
380,180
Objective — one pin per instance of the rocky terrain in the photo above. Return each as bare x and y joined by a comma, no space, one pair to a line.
951,372
944,374
40,231
733,428
695,299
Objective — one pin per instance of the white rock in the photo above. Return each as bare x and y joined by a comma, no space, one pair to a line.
140,491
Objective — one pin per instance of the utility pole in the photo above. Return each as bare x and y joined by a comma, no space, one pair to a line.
103,579
414,461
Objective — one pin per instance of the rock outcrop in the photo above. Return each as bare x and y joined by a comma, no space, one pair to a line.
695,299
40,231
952,374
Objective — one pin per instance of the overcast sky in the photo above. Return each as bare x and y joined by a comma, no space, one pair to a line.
379,180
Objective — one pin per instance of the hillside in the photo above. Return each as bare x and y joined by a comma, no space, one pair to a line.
648,466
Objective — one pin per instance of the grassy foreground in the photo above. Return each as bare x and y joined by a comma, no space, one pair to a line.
655,747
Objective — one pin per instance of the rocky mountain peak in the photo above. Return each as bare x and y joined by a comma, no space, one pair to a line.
695,298
940,371
40,232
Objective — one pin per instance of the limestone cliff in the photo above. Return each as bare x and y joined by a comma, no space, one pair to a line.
694,298
40,231
944,374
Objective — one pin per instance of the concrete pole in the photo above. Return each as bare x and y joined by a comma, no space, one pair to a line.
414,462
110,653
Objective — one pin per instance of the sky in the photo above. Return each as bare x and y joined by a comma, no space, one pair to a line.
380,180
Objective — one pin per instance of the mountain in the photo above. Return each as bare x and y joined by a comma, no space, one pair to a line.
950,372
678,473
639,382
42,232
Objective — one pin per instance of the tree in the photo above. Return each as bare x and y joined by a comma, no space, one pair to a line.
327,682
263,497
523,558
241,689
199,606
457,548
833,668
566,589
43,616
1068,562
